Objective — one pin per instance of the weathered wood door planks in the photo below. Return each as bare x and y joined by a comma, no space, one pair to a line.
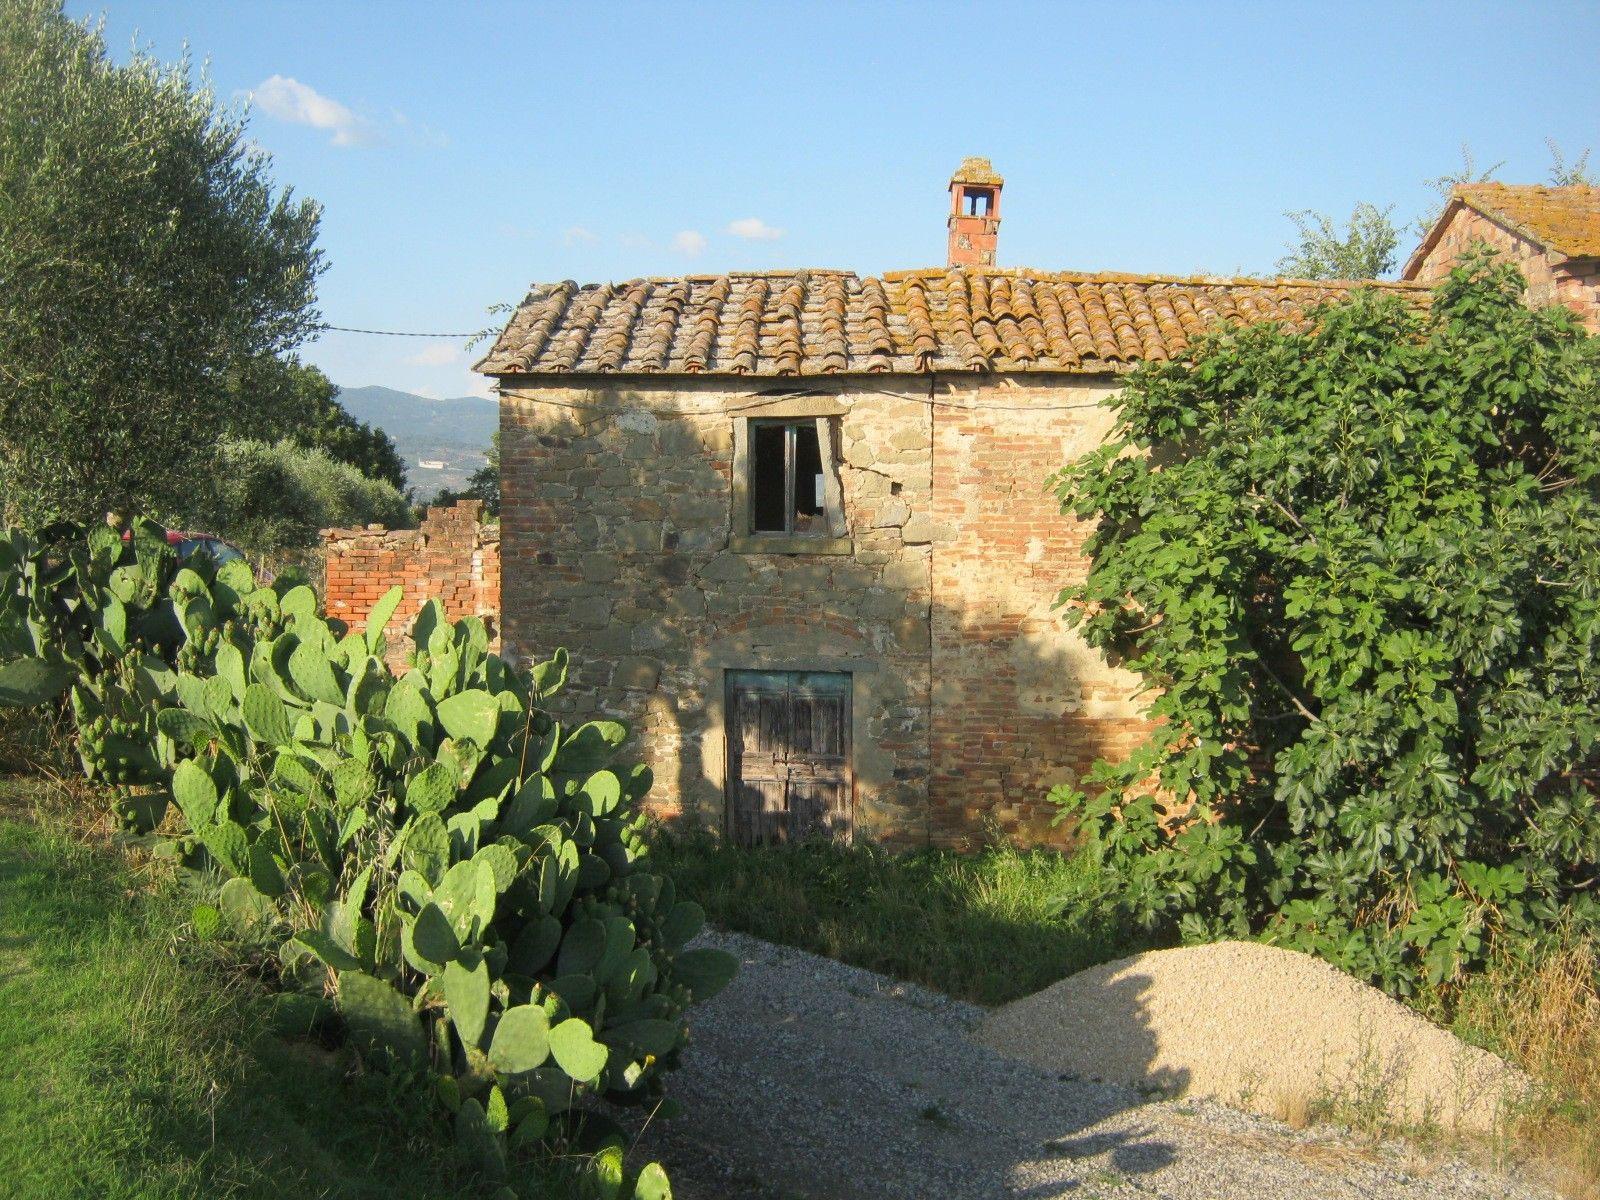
789,773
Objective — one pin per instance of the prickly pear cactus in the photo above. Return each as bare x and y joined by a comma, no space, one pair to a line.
464,872
459,843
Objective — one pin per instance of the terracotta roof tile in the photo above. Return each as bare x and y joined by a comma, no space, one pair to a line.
1565,220
833,322
976,170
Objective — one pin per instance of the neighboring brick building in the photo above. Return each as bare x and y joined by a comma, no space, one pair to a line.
453,556
1552,234
793,527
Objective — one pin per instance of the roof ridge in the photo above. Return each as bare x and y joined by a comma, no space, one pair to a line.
1037,275
1563,219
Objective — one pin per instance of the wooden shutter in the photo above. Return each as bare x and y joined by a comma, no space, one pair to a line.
789,772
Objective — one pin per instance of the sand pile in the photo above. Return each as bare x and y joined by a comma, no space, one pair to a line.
1260,1028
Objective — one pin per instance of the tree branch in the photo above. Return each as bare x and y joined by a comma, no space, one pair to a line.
1284,509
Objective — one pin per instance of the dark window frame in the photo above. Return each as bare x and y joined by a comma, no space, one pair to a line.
830,534
794,429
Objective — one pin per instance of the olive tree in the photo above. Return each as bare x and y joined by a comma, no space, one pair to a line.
143,252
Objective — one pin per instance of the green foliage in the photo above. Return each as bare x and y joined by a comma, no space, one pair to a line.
1444,184
1365,250
1565,174
989,927
142,1073
272,497
483,484
280,397
144,251
436,848
1357,569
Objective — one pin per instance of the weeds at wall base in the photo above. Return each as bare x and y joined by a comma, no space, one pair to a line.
1543,1013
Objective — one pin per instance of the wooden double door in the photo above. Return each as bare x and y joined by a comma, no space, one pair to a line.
789,775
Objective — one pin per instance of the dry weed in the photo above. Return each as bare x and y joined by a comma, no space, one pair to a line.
1544,1014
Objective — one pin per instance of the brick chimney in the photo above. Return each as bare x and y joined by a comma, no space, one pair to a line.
974,214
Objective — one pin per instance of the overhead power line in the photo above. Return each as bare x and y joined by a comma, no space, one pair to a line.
393,332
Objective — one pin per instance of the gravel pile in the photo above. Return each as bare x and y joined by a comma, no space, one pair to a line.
811,1080
1261,1028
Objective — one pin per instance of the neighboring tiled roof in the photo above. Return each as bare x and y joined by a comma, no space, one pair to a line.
1563,219
831,322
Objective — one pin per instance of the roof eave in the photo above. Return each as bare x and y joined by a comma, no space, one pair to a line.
749,379
1408,273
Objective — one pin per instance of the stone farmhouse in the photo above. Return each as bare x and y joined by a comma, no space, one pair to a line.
1552,234
792,525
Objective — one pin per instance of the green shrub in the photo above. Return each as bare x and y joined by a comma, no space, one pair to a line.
1359,569
461,871
273,496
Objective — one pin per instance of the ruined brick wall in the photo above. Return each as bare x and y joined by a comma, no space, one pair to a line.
1019,703
1552,278
453,557
970,696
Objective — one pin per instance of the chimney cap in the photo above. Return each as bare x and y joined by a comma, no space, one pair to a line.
977,170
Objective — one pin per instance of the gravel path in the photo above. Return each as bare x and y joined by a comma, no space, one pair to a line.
811,1080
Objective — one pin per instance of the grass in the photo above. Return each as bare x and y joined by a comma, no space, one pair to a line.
1542,1011
140,1064
989,927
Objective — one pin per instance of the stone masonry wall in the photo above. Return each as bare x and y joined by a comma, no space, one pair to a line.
453,557
617,505
969,695
1552,279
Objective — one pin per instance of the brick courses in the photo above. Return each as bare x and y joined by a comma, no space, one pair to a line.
453,557
1551,234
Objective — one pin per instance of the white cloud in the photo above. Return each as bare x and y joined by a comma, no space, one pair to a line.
474,384
754,229
298,103
435,356
689,242
577,234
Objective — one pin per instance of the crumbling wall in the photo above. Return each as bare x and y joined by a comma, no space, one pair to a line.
453,557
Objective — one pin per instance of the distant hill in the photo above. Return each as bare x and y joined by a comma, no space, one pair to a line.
455,432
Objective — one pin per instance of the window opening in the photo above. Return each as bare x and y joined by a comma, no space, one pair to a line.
978,203
786,480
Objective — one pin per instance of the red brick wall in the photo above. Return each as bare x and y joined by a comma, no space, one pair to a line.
453,557
1018,704
1578,287
1552,279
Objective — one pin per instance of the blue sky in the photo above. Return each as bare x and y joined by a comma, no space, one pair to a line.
462,151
